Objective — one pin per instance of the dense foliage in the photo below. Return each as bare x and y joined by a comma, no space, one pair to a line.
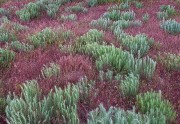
89,62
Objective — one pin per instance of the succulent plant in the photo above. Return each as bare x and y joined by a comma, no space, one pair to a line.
152,101
171,26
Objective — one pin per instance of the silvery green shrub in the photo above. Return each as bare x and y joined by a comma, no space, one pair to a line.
115,116
123,24
162,15
144,67
101,23
30,11
6,57
130,85
51,70
119,60
171,26
138,4
77,8
22,47
32,108
138,45
113,15
166,11
145,17
6,35
71,17
85,86
128,15
52,9
43,38
168,8
93,35
170,61
153,103
122,6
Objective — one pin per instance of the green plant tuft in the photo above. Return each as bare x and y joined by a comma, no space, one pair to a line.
31,107
153,103
53,70
43,38
30,11
171,26
6,58
129,86
115,116
22,47
77,8
170,61
93,35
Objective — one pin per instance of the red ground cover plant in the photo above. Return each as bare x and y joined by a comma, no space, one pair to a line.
28,66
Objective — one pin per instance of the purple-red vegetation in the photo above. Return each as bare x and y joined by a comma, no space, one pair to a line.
28,66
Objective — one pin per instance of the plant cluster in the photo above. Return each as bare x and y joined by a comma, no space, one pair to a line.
118,26
171,26
71,17
136,23
114,19
97,50
122,24
30,11
6,35
51,70
93,35
166,11
168,8
6,58
13,27
51,6
145,17
118,15
145,67
92,3
113,15
85,86
119,60
162,15
118,32
66,48
138,45
64,34
22,47
31,108
43,38
115,116
101,23
122,6
156,117
9,30
77,8
138,4
52,9
33,9
129,86
128,15
152,102
108,76
170,61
